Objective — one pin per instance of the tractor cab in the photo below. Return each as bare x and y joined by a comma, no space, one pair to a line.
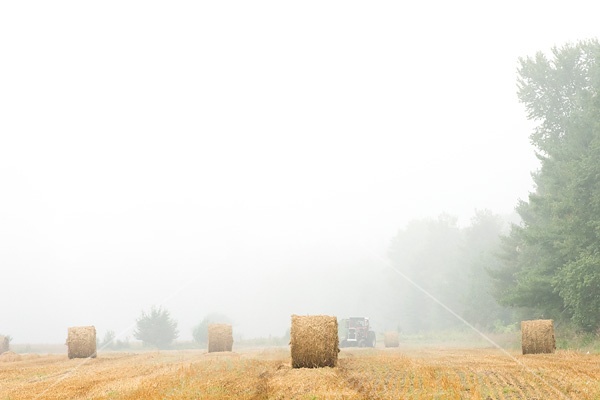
354,332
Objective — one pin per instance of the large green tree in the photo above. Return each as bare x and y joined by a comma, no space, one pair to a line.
551,262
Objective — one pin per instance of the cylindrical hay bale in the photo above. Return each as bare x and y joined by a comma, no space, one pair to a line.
4,344
537,336
81,342
220,337
314,341
391,339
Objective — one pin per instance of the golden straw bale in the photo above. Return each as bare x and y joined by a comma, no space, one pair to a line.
537,336
81,342
220,337
314,341
4,344
391,339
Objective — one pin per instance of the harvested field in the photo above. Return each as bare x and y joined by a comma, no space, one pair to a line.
392,373
9,356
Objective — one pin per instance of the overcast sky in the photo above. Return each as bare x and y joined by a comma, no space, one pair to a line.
233,157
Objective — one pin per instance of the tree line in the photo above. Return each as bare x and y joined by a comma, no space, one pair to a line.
546,265
157,328
551,261
439,268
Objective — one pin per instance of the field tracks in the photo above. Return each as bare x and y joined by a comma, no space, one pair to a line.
266,374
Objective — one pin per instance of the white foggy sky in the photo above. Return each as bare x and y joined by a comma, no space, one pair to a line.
235,157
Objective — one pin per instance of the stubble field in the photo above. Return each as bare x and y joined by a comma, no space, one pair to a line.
398,373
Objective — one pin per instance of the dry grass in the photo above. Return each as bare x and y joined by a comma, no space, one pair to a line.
9,356
314,341
396,373
537,336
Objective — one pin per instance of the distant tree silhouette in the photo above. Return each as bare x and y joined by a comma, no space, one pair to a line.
156,328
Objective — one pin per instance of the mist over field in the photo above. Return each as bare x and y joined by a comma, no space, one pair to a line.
255,160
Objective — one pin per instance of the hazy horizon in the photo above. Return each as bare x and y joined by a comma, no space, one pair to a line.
241,158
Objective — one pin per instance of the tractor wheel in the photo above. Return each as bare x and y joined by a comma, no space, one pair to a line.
361,343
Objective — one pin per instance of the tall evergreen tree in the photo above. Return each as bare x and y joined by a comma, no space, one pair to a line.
551,262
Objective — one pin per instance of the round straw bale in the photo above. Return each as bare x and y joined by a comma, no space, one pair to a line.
537,336
4,344
220,337
391,339
314,341
81,342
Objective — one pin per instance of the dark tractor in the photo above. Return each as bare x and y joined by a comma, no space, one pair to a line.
354,332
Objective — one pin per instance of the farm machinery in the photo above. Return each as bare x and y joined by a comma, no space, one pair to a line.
355,332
